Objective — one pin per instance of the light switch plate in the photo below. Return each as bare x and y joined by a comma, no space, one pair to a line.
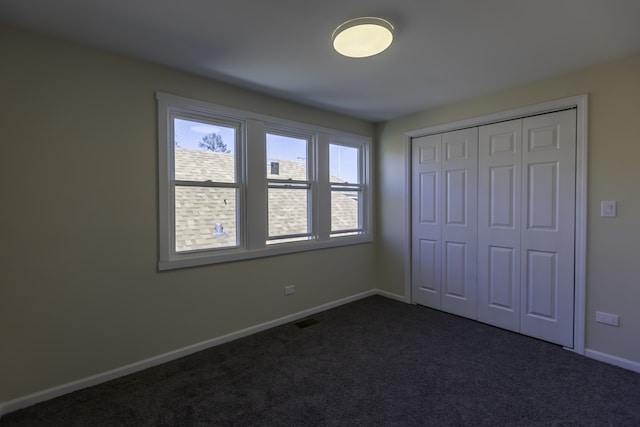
608,208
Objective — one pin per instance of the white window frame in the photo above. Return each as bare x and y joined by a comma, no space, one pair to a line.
252,183
218,120
359,187
308,184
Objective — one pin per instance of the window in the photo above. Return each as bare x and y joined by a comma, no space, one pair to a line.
289,191
237,185
205,183
347,216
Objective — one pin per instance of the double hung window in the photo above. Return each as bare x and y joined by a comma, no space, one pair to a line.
347,190
237,185
206,186
289,187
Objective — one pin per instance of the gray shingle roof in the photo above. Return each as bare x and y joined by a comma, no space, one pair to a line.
199,209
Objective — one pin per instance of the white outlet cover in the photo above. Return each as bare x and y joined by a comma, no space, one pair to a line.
608,208
607,318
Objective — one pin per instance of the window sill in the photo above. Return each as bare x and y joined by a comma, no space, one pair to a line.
208,258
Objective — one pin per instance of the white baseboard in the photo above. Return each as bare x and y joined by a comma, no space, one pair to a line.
41,396
613,360
389,295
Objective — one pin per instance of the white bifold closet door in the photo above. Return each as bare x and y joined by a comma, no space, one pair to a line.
499,214
445,221
526,225
493,224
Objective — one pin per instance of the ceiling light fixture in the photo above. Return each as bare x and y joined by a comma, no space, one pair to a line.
362,37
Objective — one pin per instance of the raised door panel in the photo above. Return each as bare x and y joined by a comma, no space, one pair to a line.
454,269
541,285
456,197
427,189
502,196
542,203
499,205
548,215
501,279
426,224
459,225
427,279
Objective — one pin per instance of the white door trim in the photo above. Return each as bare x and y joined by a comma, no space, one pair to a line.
581,103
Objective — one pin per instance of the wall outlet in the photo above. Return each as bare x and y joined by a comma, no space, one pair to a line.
608,208
289,290
607,319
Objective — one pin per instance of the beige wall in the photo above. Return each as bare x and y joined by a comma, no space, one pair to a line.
613,254
79,292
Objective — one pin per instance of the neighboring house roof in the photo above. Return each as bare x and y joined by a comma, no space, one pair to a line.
199,209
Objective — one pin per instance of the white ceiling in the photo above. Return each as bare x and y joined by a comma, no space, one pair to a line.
444,50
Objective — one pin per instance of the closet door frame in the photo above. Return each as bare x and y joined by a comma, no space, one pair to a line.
581,103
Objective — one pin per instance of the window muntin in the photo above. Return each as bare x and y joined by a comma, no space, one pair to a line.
345,169
206,188
195,230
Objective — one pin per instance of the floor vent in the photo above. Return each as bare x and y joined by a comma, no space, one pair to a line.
306,323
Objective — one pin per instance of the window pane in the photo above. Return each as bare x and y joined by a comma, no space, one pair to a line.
286,157
345,210
343,164
204,151
205,218
288,211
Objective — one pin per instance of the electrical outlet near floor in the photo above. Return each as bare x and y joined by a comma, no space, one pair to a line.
607,318
290,290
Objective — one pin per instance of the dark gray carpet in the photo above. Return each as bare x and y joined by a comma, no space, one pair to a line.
374,362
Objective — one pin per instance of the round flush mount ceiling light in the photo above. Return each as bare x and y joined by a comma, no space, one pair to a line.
362,37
